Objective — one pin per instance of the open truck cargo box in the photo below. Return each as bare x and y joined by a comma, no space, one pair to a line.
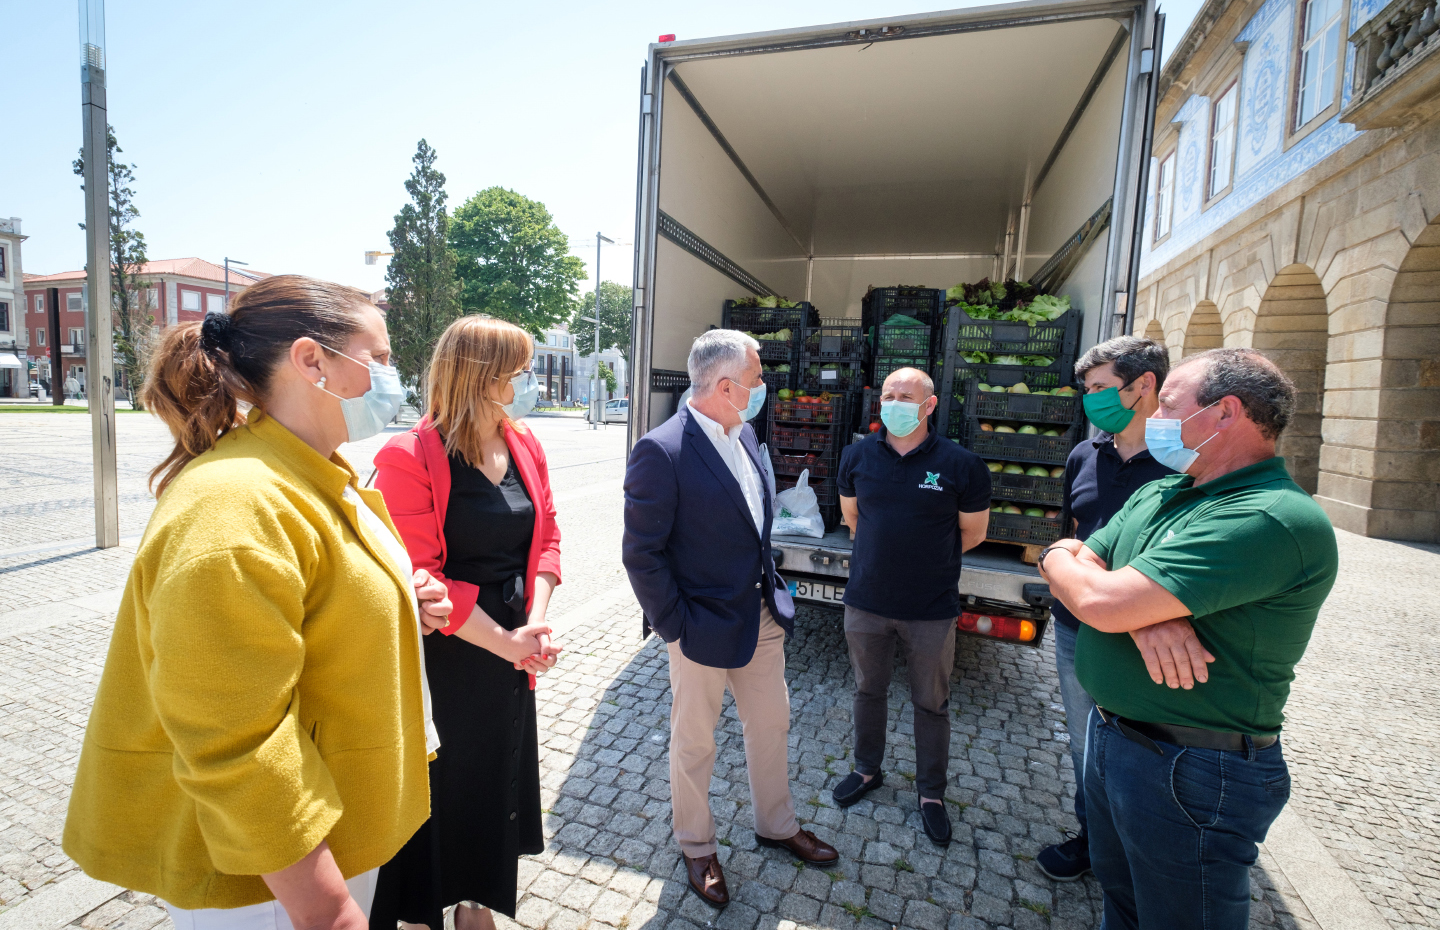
921,150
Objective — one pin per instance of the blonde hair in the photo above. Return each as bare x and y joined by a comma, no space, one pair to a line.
474,356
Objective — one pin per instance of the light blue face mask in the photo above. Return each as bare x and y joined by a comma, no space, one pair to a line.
1162,438
369,414
757,400
527,393
900,419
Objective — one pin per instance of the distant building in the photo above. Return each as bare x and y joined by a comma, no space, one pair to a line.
1294,208
13,378
585,369
177,290
554,365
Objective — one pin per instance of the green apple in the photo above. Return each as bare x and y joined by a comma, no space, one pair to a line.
1004,429
1051,432
1066,391
1013,469
1034,511
1020,388
1011,508
995,467
1037,471
1028,430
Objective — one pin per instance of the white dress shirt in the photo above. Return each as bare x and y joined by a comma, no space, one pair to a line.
727,443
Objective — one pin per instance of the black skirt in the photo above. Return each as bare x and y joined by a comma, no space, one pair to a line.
484,787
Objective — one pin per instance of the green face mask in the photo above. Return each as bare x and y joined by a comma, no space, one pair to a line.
1107,411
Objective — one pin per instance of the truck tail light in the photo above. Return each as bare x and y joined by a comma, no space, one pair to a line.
668,37
998,626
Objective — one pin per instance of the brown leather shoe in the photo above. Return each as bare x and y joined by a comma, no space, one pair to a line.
805,847
706,880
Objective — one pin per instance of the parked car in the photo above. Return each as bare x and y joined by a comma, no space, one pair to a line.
34,388
615,411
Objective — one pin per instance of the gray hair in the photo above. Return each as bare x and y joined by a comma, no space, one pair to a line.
718,353
1265,391
1131,356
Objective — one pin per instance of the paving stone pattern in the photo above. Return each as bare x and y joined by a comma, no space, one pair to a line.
611,862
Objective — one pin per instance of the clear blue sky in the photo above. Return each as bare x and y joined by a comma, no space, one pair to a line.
280,133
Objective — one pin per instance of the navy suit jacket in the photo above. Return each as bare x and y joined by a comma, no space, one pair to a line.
699,567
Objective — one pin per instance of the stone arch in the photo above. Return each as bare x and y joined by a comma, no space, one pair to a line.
1291,329
1203,330
1155,332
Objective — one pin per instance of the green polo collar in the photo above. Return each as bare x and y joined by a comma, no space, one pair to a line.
1262,472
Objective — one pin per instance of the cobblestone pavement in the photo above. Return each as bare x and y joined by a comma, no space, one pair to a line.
611,862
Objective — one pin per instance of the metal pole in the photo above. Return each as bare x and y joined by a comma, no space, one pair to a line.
100,350
595,405
228,262
57,385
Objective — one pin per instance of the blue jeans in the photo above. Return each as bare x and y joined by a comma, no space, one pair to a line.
1172,836
1077,711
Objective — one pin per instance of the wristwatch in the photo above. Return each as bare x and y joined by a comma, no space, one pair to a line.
1040,561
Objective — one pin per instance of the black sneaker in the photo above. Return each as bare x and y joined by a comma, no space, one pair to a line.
937,822
1067,861
852,788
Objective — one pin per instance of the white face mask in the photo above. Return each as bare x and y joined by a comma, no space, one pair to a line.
1162,438
369,414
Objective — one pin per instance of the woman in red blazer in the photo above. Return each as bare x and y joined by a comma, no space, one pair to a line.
469,491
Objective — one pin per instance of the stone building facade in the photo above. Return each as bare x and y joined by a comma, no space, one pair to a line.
1294,208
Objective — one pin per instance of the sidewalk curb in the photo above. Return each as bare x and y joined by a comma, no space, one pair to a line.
60,904
1327,891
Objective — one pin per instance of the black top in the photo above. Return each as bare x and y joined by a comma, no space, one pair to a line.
488,528
1097,485
906,560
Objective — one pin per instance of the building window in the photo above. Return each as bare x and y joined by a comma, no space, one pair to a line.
73,303
3,273
190,300
1164,196
1319,59
4,317
1222,140
214,303
39,303
39,335
77,336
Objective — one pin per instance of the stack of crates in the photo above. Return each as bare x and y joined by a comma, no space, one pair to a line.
780,353
832,360
1026,436
805,433
896,341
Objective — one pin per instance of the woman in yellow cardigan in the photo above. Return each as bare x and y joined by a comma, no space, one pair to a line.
259,741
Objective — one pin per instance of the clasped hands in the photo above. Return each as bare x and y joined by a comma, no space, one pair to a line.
1173,654
528,648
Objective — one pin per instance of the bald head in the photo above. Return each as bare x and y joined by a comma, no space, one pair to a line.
910,385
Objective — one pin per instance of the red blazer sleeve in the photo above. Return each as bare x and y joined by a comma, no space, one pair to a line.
549,540
401,476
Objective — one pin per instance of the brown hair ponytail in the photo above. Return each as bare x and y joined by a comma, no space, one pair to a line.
202,372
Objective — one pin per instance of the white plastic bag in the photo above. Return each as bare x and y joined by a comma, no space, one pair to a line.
797,511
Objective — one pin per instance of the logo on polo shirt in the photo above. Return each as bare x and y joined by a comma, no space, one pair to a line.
932,482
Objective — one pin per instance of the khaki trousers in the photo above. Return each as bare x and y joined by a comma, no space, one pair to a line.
763,702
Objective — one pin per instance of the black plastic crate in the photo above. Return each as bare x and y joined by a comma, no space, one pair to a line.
808,414
767,320
904,341
883,367
1029,408
869,409
826,491
1057,374
662,379
923,303
821,465
1019,447
835,376
834,340
1032,489
1057,338
807,440
777,380
1017,528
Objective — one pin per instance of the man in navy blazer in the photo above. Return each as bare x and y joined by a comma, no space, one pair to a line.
697,549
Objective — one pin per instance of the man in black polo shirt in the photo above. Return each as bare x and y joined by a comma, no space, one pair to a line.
1122,379
914,501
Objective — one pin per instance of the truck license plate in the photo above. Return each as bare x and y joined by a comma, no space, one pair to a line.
810,591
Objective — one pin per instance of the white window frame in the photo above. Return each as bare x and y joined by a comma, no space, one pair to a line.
1222,150
185,296
4,265
1165,197
75,303
8,323
214,303
40,304
40,335
1329,62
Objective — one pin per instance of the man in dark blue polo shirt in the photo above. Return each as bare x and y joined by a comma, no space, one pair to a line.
1122,379
914,501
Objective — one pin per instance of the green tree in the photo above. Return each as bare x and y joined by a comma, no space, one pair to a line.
514,263
131,298
616,303
608,375
423,292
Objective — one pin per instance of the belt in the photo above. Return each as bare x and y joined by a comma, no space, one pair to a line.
1146,734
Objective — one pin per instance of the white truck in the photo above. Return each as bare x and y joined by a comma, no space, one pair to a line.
1000,141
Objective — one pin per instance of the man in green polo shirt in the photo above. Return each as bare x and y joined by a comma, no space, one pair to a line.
1196,601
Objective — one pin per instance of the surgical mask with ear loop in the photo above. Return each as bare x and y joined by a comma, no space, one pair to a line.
527,394
369,414
1162,438
757,400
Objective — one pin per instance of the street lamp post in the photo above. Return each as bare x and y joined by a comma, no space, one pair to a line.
595,406
100,351
228,262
